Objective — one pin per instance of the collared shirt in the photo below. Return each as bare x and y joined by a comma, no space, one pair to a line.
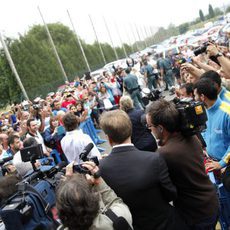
224,95
217,134
74,142
122,145
39,139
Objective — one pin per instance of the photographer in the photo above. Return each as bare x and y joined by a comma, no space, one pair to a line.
83,200
212,50
196,202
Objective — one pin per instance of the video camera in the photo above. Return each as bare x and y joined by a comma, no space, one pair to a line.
193,116
37,106
3,169
30,207
84,157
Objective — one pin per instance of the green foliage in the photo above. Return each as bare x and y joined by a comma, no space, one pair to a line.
37,66
218,11
211,12
183,28
202,18
227,9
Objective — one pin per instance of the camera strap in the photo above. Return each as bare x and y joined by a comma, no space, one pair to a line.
119,222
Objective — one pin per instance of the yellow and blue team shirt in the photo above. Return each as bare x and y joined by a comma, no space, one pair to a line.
224,95
217,134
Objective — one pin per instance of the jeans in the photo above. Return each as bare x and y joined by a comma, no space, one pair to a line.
137,101
151,82
168,78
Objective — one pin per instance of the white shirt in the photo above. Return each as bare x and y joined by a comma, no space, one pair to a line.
74,142
39,140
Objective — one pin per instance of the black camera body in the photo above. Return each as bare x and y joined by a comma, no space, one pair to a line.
37,106
193,116
150,95
201,49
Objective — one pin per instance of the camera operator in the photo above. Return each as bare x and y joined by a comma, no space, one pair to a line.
83,200
196,201
8,186
140,178
24,167
217,134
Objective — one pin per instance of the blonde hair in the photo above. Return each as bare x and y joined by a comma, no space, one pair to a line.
117,125
126,103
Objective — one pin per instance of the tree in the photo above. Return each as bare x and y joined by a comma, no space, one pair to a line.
211,11
201,15
183,28
36,63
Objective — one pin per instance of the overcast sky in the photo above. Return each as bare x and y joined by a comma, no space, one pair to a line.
18,16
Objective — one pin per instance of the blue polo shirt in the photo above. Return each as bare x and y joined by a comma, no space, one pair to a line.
217,134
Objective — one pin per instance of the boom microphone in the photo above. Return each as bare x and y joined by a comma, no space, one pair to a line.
86,151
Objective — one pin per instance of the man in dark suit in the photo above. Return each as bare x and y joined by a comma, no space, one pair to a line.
140,178
141,136
196,201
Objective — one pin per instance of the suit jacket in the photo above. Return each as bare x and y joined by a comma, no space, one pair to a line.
141,179
196,198
141,135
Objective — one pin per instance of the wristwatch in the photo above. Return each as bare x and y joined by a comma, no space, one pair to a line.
219,54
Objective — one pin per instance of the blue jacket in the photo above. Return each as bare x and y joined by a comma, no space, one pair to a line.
217,134
224,95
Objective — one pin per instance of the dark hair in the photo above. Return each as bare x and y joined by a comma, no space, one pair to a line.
164,113
8,186
188,87
70,121
12,138
53,118
29,121
77,204
207,88
117,125
213,76
128,70
30,141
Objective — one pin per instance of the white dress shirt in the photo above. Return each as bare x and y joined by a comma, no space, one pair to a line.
73,144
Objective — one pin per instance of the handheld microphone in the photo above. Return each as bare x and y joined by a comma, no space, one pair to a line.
86,151
6,159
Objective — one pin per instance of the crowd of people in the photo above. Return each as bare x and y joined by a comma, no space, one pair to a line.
155,176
